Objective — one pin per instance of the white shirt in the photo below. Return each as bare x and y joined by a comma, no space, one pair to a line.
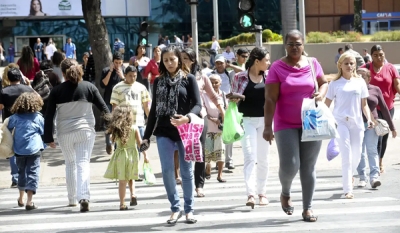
206,71
215,46
347,96
50,49
225,84
229,56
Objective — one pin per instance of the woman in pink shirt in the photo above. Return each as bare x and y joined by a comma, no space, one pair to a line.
289,81
151,70
385,76
28,64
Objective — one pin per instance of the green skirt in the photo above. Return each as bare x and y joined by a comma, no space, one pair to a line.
124,164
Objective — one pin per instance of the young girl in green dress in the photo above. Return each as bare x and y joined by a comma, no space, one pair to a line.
124,164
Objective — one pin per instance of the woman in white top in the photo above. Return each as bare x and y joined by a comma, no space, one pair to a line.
350,93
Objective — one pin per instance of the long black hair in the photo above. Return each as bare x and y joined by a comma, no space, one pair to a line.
258,53
192,56
177,51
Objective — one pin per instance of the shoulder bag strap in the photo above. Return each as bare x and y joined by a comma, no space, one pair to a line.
310,61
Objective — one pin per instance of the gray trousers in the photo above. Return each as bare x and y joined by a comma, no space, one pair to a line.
228,154
295,155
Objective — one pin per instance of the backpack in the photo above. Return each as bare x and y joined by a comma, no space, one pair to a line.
41,85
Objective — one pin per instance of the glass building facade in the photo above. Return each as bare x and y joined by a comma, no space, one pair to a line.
167,17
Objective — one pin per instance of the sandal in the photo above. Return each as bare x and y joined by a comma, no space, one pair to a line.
133,201
221,180
250,201
190,219
20,204
287,209
349,195
309,218
31,207
172,220
123,207
199,192
263,200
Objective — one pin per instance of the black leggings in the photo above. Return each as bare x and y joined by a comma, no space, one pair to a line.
200,168
382,142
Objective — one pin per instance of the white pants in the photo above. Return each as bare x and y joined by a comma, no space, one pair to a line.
350,143
255,150
77,148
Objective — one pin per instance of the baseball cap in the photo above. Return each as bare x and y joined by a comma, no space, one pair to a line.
220,58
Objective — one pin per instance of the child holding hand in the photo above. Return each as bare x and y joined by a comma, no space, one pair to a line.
124,164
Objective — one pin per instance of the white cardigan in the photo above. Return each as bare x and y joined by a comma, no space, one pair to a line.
6,144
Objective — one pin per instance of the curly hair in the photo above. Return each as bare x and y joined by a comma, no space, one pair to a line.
72,70
6,81
28,102
120,126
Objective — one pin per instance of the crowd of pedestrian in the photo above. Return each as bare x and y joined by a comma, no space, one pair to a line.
156,96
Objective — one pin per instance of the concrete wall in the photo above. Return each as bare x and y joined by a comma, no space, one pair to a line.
325,53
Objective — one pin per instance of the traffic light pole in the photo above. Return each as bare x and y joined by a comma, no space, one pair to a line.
195,36
258,32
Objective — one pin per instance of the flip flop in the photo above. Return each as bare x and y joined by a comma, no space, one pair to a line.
174,220
309,218
200,193
221,180
123,207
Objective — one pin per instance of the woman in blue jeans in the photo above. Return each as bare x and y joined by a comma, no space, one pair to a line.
175,94
370,142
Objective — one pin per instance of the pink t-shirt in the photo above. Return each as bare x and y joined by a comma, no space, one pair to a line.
385,81
295,85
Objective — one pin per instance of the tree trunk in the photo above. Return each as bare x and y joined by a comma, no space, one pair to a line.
98,38
288,16
357,16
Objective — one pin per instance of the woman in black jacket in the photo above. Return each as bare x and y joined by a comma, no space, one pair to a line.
175,94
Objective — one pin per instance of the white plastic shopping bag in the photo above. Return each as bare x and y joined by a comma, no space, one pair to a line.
317,121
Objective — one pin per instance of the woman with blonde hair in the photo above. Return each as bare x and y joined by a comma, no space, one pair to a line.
72,101
350,93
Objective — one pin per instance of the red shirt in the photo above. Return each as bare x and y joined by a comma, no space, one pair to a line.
152,67
31,73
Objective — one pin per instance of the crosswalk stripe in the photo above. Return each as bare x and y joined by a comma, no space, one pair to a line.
236,216
135,211
153,193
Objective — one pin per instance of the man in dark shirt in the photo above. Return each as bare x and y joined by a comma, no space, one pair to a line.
109,78
8,95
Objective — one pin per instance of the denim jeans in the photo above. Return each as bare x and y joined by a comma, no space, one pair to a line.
10,59
14,169
39,56
28,169
212,60
166,148
369,147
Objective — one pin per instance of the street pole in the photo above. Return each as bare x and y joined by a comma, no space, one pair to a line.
302,19
195,36
215,15
258,32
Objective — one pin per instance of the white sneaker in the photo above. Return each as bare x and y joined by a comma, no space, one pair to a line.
375,183
362,184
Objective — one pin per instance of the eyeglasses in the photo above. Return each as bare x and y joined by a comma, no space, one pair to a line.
295,45
244,56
